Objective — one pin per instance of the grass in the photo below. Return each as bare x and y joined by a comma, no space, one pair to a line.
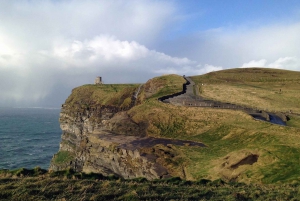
226,133
294,120
62,157
162,86
104,94
21,172
79,186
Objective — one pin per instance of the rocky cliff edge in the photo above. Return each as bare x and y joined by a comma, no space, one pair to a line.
102,133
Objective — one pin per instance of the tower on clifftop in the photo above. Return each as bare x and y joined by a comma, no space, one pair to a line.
98,80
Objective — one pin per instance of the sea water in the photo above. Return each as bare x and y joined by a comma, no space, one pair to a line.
28,137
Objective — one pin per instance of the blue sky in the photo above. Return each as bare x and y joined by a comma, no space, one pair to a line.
212,14
216,13
49,47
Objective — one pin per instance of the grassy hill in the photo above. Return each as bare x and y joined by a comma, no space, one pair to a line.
262,88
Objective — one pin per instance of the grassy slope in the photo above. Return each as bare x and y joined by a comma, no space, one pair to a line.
105,94
226,133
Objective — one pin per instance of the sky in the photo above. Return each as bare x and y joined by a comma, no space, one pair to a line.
49,47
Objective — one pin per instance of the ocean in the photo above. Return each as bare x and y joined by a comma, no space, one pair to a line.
28,137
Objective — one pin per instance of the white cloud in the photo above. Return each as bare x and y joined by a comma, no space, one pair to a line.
102,47
255,63
190,70
235,45
38,22
290,63
209,68
105,49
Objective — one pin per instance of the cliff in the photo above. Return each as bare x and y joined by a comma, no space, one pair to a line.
100,135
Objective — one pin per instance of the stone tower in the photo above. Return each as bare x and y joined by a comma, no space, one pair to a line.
98,80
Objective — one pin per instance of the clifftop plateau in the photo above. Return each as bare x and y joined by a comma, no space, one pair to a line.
126,131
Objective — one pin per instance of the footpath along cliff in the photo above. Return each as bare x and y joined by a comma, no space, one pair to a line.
160,130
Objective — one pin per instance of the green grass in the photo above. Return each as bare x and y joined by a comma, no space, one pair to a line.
226,133
173,127
63,157
105,94
163,85
287,166
23,172
294,120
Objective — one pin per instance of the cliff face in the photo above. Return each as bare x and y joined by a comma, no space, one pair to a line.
89,145
105,139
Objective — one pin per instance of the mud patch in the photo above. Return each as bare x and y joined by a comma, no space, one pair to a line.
151,141
249,160
136,142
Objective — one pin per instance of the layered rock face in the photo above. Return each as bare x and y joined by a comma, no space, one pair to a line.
104,139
